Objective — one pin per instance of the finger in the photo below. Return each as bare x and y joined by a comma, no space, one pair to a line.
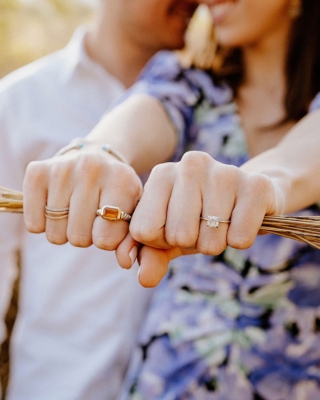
121,189
127,252
154,263
35,197
149,219
84,203
250,208
218,200
59,192
184,210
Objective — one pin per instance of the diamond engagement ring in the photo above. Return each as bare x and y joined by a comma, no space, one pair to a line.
113,213
56,213
213,221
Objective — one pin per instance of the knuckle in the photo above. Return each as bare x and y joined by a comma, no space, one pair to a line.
35,172
33,227
93,168
104,243
60,173
194,161
258,185
87,165
239,241
56,238
161,170
234,172
211,247
129,181
179,238
143,234
79,240
135,190
228,174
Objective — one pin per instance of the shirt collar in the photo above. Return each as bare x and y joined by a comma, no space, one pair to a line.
78,59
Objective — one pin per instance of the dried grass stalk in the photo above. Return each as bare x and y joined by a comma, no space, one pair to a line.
10,200
303,229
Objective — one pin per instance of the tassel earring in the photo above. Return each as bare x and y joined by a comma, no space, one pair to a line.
295,9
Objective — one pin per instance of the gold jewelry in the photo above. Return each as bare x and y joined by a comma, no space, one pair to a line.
113,213
213,221
78,144
56,217
295,9
56,213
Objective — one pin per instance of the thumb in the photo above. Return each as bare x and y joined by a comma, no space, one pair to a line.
154,263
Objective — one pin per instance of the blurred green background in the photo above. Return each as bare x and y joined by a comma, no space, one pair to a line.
30,29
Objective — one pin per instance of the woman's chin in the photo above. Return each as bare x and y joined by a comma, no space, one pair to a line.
226,39
231,38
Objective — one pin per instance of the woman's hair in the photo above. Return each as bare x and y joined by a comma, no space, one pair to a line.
302,66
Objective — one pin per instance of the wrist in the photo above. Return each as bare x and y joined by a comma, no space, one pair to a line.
281,188
78,144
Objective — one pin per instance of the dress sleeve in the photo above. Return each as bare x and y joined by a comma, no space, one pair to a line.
315,104
164,79
179,90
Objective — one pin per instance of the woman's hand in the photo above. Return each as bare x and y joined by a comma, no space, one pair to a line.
83,180
167,218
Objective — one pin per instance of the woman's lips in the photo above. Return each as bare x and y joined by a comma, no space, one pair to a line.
220,9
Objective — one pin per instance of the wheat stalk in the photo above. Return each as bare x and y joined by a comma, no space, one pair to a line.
303,229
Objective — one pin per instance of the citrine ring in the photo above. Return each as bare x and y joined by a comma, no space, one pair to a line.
112,213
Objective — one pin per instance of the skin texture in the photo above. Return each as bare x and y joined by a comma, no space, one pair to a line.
128,32
272,183
164,224
249,22
156,23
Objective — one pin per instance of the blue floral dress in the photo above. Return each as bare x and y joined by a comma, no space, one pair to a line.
244,325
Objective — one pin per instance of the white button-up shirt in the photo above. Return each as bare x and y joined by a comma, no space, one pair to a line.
79,312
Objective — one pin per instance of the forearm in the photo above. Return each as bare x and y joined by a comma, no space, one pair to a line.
293,165
140,129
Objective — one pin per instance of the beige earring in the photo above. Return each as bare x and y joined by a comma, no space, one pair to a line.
295,8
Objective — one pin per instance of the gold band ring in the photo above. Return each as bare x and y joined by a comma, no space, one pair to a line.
56,213
57,210
113,213
56,217
213,221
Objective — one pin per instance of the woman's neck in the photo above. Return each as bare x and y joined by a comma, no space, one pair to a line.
265,62
261,96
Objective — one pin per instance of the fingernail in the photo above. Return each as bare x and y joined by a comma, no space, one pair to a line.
133,254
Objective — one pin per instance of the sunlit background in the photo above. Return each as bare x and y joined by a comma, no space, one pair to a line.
32,28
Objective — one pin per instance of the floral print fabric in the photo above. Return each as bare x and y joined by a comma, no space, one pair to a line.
244,325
